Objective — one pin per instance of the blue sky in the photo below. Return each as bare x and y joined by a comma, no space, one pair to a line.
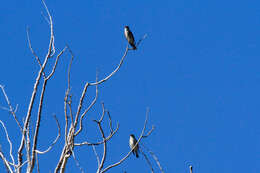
198,71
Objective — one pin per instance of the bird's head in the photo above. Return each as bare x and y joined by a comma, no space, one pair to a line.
132,135
126,27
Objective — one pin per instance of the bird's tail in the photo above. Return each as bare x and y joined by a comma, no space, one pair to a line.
136,153
133,46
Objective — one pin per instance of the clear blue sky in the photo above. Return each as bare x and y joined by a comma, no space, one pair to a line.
198,71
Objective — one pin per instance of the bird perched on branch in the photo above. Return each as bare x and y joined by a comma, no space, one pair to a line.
130,37
132,142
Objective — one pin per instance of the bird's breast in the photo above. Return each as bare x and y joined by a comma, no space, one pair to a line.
131,142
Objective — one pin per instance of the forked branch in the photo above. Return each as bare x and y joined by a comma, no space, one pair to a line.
127,155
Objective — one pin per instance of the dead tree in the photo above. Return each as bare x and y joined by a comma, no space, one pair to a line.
28,152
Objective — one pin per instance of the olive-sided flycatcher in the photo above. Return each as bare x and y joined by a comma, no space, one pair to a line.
132,142
130,37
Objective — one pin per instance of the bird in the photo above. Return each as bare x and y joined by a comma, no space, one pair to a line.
132,142
130,37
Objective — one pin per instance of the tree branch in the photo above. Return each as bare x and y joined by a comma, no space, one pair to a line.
124,158
10,107
112,73
90,106
148,162
6,163
54,142
10,143
155,158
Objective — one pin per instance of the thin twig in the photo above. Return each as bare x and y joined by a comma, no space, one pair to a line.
112,73
139,41
104,149
69,69
104,139
66,98
23,164
147,160
80,103
77,162
89,107
33,52
124,158
66,116
9,141
37,128
70,109
11,108
148,134
6,163
37,163
103,112
56,139
155,158
55,64
51,44
110,122
28,147
101,142
95,152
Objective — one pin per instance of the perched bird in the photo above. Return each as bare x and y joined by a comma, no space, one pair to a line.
132,142
130,37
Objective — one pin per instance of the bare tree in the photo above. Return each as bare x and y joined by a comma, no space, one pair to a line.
28,152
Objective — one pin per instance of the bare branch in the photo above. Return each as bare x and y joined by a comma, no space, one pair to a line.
9,141
98,143
90,106
37,128
28,116
77,162
112,73
23,164
46,18
37,163
62,157
54,142
155,158
80,103
56,62
148,134
157,161
104,139
51,49
147,160
69,69
66,101
33,52
95,152
66,116
124,158
28,147
110,122
103,113
6,163
10,107
70,109
104,148
31,149
139,41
